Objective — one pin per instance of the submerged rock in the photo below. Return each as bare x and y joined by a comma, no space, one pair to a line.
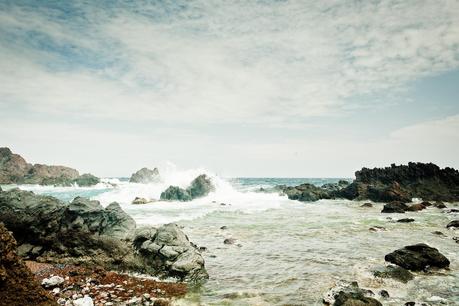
17,283
417,257
145,176
83,232
405,220
349,294
453,224
394,207
394,272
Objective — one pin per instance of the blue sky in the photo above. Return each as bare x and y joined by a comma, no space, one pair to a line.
259,88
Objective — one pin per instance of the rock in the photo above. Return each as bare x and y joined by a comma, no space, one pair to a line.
439,204
169,250
453,224
85,301
200,187
138,200
53,281
426,204
145,176
410,304
452,211
229,241
224,227
394,207
377,228
85,233
366,205
416,207
17,284
401,183
417,257
394,272
406,220
349,294
15,170
306,193
384,294
86,179
174,193
438,233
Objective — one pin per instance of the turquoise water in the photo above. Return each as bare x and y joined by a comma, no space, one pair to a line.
286,252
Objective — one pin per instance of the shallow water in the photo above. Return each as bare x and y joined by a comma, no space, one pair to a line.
287,252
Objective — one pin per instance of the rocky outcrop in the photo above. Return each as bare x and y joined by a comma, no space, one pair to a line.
17,284
395,207
145,176
199,187
417,257
306,192
349,294
401,183
83,232
15,170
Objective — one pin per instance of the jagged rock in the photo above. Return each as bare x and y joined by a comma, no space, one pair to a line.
453,224
394,272
394,207
15,170
306,192
174,193
401,183
417,257
145,176
17,284
85,233
349,294
199,187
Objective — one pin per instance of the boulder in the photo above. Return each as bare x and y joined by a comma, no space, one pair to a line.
138,200
175,193
17,284
439,205
394,207
83,232
349,294
200,187
416,207
417,257
306,193
145,176
86,180
453,224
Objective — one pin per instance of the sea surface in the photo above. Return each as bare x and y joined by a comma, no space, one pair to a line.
286,252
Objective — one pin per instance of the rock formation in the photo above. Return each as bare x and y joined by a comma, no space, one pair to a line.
417,257
145,176
199,187
17,284
84,232
15,170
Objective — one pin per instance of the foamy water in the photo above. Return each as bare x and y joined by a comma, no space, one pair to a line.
287,252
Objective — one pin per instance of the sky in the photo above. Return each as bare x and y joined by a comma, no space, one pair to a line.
242,88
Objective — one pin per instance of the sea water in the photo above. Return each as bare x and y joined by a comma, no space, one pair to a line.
286,252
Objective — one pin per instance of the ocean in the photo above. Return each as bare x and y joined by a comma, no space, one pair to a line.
286,252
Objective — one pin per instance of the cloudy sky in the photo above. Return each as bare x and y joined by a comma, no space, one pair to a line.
243,88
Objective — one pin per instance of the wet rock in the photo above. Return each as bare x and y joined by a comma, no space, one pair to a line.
229,241
306,193
394,272
453,224
406,220
394,207
410,304
138,200
452,211
438,233
384,294
17,284
366,205
175,193
86,179
416,207
417,257
145,176
52,282
349,294
377,228
439,205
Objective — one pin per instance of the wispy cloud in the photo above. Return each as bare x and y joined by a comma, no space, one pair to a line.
202,61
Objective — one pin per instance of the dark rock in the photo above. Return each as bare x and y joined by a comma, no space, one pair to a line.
229,241
410,304
395,272
416,207
200,187
453,224
384,293
401,183
349,294
438,233
145,176
394,207
175,193
417,257
453,211
17,284
86,179
426,204
439,205
224,227
405,220
366,205
306,193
